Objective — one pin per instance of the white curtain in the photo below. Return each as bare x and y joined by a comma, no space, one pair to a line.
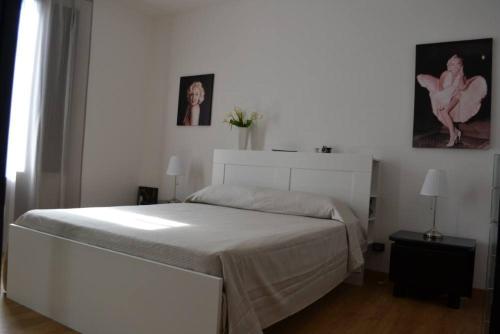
48,106
26,102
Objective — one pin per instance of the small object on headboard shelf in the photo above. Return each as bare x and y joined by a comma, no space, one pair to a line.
282,150
147,196
285,148
324,149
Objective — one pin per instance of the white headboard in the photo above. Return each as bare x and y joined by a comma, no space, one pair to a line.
347,177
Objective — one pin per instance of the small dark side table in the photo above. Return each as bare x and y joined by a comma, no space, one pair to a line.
426,268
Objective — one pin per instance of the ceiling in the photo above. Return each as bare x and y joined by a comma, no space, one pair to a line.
177,6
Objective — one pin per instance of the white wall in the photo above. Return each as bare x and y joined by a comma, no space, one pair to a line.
329,72
119,121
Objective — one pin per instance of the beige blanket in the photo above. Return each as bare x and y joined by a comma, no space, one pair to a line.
272,264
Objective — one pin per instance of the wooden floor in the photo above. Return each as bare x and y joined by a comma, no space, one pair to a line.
369,309
372,309
17,319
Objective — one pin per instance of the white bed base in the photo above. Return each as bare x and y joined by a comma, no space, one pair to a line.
95,290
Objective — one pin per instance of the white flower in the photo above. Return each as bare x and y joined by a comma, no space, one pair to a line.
239,117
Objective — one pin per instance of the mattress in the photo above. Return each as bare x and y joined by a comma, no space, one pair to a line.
272,264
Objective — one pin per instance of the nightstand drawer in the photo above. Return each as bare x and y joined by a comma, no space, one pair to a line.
439,269
427,268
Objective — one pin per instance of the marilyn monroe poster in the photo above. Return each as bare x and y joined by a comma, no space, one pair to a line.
195,100
453,95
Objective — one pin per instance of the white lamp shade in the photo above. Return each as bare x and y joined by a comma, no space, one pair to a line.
174,166
435,183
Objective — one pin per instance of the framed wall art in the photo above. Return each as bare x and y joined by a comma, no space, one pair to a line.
195,100
453,94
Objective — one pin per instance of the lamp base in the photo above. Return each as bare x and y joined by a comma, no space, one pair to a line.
433,234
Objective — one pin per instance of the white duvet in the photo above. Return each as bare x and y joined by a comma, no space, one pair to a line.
272,265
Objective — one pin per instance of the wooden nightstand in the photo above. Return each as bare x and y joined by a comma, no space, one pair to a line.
427,268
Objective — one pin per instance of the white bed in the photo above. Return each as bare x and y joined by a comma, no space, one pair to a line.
100,271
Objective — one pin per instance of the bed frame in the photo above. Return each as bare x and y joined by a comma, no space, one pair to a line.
95,290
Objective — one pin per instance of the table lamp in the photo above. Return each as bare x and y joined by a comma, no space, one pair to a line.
174,169
434,186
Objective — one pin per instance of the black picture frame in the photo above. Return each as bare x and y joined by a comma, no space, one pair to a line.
454,79
195,87
147,195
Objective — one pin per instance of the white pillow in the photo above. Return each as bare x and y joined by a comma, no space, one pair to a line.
274,201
